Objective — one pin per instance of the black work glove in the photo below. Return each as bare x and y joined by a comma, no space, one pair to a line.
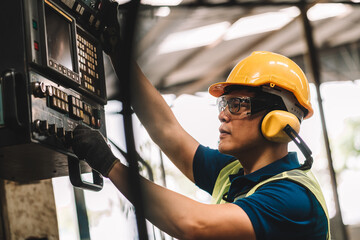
114,18
90,145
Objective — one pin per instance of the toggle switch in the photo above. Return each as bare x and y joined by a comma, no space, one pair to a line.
60,132
44,126
52,129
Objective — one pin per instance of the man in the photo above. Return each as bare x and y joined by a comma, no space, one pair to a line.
260,190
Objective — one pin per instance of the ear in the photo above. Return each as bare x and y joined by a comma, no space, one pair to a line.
273,124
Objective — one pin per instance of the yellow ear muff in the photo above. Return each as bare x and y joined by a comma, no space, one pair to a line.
274,122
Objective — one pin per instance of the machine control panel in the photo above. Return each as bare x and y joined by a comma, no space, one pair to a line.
57,110
52,80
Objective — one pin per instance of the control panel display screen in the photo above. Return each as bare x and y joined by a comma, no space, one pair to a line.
59,39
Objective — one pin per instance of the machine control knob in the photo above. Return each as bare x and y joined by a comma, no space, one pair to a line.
52,129
41,126
39,89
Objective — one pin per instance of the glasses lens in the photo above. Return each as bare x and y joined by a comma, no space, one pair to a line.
221,103
235,105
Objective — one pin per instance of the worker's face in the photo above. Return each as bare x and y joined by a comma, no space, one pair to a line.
239,133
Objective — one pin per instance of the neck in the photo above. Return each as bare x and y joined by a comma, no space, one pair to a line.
256,158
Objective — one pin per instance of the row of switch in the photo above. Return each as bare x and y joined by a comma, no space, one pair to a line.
64,70
75,107
42,127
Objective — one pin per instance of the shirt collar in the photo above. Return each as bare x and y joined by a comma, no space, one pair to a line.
241,182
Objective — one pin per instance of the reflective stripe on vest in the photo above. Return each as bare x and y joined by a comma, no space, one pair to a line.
304,178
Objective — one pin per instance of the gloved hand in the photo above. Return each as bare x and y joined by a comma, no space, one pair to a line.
90,145
114,18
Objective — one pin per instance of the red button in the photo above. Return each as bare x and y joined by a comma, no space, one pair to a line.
36,45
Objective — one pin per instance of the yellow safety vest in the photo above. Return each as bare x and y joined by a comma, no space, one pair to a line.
304,178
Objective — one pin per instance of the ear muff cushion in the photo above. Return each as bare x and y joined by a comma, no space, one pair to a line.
273,124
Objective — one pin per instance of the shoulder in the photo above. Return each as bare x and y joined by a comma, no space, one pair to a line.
281,208
206,166
206,158
206,152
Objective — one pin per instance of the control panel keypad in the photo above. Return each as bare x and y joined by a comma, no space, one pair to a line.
88,64
58,99
76,108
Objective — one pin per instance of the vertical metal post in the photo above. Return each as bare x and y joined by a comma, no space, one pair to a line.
83,221
124,68
315,69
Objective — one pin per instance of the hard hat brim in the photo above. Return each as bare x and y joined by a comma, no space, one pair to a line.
218,89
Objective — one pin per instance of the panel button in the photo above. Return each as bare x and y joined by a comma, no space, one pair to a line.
34,24
36,45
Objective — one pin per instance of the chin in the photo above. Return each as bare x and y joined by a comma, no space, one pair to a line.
225,149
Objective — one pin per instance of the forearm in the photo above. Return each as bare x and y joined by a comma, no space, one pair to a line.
151,108
148,104
161,205
161,123
182,217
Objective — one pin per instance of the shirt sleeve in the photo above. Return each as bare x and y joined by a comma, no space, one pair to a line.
207,164
285,210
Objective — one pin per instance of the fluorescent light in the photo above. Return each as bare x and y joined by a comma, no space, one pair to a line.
161,2
261,23
155,2
162,12
328,10
192,38
122,1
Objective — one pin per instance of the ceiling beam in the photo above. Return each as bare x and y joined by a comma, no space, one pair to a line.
183,62
218,72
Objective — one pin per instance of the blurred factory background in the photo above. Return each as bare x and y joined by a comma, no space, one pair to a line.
183,47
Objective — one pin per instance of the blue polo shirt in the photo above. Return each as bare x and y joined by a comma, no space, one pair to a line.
278,210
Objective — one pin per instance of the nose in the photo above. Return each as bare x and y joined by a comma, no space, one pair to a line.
223,117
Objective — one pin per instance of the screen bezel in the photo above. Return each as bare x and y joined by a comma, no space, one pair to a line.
73,46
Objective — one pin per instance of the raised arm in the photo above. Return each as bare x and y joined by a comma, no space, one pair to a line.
161,123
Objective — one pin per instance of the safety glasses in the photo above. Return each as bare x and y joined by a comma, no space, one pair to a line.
236,105
244,106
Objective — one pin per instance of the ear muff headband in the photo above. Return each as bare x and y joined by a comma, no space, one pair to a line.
274,122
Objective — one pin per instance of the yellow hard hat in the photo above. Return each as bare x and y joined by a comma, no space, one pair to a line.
263,68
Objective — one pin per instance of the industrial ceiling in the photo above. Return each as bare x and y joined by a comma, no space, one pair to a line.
186,46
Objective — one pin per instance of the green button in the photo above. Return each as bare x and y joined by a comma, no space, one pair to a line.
35,25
